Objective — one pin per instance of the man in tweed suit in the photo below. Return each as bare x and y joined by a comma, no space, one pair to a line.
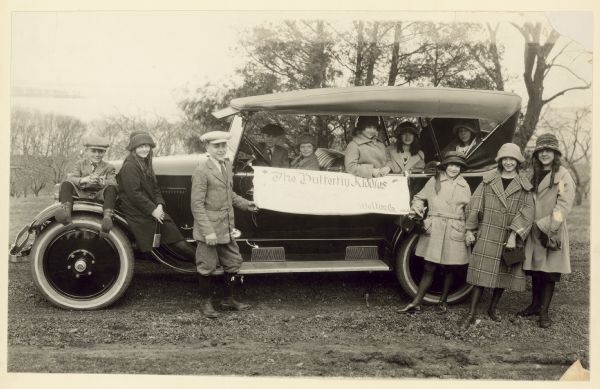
212,202
91,178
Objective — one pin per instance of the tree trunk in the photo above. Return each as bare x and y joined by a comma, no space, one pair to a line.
395,55
360,48
373,55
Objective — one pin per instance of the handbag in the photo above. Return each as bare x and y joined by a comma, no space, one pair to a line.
513,256
156,238
412,224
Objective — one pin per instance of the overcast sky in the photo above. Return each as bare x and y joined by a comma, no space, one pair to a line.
132,62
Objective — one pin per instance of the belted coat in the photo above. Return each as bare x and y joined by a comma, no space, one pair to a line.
444,239
493,212
397,164
212,201
362,155
553,202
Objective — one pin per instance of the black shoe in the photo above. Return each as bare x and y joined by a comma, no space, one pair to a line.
466,322
544,321
107,222
443,307
410,308
208,310
63,213
493,314
529,311
233,305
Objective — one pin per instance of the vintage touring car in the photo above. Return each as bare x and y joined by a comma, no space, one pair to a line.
76,269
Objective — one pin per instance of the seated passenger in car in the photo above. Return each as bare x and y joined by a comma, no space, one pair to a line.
91,178
307,160
406,154
212,202
365,155
466,137
276,155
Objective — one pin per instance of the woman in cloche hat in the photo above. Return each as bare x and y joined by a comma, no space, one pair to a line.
547,249
141,200
466,137
307,160
406,154
365,156
500,215
443,242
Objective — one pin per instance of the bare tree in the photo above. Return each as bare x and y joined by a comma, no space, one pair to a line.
538,64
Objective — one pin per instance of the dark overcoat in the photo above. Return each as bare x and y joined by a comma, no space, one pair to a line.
553,202
212,201
493,213
280,156
139,195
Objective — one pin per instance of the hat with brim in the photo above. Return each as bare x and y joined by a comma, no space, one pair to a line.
510,150
547,142
468,127
406,127
215,137
93,141
139,138
307,139
272,129
453,157
366,121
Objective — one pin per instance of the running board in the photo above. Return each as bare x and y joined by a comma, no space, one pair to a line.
311,267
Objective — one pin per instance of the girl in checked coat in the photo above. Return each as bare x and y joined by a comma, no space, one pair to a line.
500,215
443,243
555,192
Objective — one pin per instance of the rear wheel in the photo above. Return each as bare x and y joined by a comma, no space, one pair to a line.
409,269
74,268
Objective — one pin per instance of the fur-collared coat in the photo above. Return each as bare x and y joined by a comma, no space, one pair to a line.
212,201
396,162
444,239
362,155
494,213
553,202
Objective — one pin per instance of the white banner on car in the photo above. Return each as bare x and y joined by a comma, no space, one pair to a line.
329,193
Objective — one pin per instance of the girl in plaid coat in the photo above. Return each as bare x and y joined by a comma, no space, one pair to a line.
500,214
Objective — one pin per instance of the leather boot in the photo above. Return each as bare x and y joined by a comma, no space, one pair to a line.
533,308
206,293
229,301
547,293
63,214
107,222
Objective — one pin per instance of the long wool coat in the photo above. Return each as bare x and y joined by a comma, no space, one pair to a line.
139,195
362,155
212,201
553,202
493,213
396,162
444,239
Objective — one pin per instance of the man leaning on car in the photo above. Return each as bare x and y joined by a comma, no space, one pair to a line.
212,202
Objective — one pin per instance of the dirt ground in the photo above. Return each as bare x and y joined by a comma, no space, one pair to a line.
298,325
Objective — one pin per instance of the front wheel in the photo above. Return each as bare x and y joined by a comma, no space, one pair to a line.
409,269
75,269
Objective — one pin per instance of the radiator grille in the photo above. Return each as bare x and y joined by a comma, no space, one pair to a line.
268,254
358,253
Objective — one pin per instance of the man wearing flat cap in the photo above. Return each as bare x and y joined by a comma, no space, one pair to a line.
91,178
212,202
276,155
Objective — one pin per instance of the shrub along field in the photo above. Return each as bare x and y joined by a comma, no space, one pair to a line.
298,325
